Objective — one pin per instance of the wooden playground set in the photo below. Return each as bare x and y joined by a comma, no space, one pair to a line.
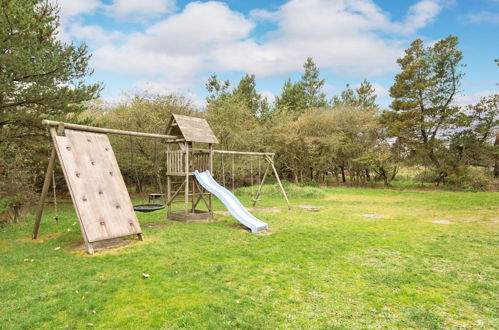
99,193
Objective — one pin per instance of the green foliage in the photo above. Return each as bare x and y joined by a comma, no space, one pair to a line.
16,185
292,98
470,178
217,89
471,145
304,94
312,85
233,123
141,159
246,92
423,95
363,97
40,76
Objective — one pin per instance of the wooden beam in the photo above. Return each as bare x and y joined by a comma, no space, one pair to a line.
45,189
187,172
261,185
248,153
271,161
77,127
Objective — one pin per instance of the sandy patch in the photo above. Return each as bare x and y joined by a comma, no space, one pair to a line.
41,237
310,208
443,222
155,225
374,216
107,245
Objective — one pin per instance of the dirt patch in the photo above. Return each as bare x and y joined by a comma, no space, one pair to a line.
253,209
239,226
109,244
226,213
41,238
309,208
443,222
267,232
374,216
155,225
242,227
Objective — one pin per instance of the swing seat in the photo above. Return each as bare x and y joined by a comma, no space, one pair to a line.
148,207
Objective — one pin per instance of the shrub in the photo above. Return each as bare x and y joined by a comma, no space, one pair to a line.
292,190
470,178
16,189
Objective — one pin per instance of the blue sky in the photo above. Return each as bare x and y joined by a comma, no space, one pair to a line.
166,46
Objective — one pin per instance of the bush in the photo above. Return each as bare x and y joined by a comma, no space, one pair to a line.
470,178
292,190
16,190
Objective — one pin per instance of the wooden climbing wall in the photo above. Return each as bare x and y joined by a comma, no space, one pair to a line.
97,188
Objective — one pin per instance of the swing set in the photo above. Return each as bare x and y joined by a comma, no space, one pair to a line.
98,191
268,159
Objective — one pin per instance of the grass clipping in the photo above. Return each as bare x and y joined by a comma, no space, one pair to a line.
292,190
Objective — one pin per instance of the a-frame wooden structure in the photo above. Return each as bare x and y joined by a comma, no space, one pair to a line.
97,188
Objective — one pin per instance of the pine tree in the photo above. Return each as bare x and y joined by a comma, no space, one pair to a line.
423,92
40,76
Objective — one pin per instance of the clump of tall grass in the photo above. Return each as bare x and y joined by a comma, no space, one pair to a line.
292,190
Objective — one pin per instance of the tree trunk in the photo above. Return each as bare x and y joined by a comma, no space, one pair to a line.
343,179
335,172
368,177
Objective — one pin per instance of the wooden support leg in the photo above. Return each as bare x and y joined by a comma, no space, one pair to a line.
46,185
261,185
140,237
168,195
90,248
271,161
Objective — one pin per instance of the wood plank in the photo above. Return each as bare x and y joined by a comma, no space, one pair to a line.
96,185
108,130
195,129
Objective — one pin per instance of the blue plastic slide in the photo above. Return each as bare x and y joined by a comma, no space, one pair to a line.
230,201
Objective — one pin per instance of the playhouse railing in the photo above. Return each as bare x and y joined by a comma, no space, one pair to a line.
175,162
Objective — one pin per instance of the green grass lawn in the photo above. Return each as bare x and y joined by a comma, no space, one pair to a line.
331,269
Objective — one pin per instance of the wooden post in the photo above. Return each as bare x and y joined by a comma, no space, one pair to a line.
271,161
43,195
210,167
261,185
186,169
233,178
46,182
169,163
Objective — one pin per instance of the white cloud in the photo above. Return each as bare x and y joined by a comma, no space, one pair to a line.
268,95
177,48
349,37
72,8
140,9
484,17
420,15
381,91
465,99
94,34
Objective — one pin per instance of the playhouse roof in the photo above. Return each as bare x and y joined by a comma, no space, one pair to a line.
192,129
